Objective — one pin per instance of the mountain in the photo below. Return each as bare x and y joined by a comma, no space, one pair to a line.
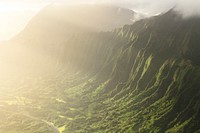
58,24
68,20
143,77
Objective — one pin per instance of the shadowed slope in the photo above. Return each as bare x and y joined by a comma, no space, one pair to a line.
143,78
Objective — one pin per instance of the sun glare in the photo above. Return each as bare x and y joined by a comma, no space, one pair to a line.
14,16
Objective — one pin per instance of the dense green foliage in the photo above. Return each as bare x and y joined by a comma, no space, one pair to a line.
141,78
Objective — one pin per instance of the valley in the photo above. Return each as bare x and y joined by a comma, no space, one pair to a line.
141,78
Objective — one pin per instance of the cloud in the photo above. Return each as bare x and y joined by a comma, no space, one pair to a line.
151,7
188,7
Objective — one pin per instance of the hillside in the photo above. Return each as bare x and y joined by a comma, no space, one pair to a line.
66,21
55,28
144,77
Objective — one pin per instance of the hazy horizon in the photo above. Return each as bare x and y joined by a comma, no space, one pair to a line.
15,15
99,66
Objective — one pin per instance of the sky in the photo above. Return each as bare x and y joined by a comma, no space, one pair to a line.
15,14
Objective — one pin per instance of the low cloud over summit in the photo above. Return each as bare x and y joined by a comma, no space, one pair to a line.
151,7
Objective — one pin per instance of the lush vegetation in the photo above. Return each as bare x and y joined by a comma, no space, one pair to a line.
141,78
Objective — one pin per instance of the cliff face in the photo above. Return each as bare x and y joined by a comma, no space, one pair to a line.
149,82
144,77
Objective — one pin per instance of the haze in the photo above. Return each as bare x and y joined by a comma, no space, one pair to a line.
99,66
15,15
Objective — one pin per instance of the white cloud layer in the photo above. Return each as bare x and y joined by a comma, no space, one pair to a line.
186,7
12,10
189,7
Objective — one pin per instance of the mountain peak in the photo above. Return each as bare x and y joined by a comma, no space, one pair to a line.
65,21
93,17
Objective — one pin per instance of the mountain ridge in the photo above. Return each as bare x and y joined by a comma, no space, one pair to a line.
141,78
97,18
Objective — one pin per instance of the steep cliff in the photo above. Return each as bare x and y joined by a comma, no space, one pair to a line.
144,77
150,83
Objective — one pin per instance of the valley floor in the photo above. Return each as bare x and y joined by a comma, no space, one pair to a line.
81,103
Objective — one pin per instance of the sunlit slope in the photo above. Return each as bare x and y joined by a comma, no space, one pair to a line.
61,29
55,22
150,83
140,78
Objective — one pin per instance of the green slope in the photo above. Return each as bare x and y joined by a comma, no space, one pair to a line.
141,78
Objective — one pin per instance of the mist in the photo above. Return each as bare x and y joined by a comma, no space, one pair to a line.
29,8
186,8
